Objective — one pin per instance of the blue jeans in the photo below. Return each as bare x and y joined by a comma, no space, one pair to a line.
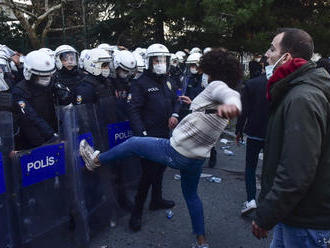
292,237
159,150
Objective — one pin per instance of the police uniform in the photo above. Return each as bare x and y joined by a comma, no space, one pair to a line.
194,86
176,75
65,83
153,103
91,88
35,114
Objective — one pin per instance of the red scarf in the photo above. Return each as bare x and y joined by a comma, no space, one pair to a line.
283,71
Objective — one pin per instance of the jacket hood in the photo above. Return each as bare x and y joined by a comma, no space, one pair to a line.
306,74
317,77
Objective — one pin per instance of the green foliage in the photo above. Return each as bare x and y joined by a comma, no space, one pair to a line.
12,34
240,25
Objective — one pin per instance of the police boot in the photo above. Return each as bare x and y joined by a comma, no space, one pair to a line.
161,204
213,158
157,202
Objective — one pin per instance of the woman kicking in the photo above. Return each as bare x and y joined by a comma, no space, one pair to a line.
194,136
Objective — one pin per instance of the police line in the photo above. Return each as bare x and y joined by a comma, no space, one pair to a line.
47,197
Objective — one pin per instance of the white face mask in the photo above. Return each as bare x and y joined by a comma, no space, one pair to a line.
105,72
159,68
43,81
193,70
270,68
205,80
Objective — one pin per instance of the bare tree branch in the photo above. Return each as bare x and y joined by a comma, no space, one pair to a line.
65,29
13,6
135,6
46,29
42,17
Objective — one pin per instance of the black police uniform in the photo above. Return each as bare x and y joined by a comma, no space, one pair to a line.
122,89
35,114
65,83
176,74
152,104
91,88
193,86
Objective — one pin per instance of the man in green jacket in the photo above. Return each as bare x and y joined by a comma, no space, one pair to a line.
295,194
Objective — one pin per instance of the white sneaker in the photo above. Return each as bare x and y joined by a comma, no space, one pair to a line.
248,207
88,154
196,245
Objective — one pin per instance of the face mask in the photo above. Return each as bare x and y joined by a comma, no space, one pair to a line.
270,68
193,71
105,72
43,81
205,80
123,75
159,68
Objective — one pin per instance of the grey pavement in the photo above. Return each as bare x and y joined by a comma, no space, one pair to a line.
225,228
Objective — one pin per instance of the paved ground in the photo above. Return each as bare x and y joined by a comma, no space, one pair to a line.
224,226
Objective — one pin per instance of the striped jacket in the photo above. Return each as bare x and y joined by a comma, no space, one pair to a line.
198,132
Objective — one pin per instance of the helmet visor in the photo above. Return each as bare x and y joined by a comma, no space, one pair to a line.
68,59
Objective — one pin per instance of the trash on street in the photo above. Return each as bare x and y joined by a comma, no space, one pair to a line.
228,152
214,179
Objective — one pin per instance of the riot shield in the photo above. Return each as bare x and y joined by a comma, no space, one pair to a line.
68,131
8,230
126,172
94,188
41,196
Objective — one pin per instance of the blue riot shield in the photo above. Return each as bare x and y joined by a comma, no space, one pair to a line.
41,197
94,188
8,229
126,172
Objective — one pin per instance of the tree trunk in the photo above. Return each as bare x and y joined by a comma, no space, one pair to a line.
159,27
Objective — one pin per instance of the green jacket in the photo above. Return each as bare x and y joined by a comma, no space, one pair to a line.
296,169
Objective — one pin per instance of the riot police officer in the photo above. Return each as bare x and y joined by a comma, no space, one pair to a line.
124,68
67,76
194,76
140,65
34,102
96,82
152,113
175,72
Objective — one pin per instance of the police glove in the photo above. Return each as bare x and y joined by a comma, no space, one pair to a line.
63,94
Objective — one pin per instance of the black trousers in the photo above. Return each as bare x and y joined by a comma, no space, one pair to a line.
253,148
152,175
